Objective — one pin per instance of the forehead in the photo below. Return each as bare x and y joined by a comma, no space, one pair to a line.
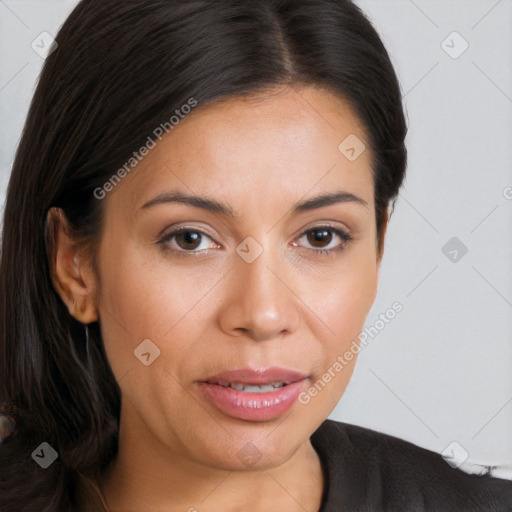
285,142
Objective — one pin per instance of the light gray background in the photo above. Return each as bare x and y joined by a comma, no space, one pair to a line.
441,370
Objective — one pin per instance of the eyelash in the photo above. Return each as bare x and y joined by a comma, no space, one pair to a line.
344,235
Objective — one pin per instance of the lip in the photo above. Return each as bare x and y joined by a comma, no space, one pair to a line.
249,406
257,376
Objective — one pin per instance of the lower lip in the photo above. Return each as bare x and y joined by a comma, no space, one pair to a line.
252,406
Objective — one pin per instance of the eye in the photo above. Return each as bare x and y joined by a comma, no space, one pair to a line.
190,242
187,240
323,239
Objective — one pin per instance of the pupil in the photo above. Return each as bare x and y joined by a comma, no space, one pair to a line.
190,238
322,236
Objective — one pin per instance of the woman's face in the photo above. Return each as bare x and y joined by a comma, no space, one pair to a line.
249,285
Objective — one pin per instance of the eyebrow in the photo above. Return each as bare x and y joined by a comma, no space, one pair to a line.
214,206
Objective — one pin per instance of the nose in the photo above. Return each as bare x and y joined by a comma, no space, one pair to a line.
258,299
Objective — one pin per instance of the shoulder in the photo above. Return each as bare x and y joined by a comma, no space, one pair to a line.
365,468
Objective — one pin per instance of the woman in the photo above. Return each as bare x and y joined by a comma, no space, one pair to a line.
192,235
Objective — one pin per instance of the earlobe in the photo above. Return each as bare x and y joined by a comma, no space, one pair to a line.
71,278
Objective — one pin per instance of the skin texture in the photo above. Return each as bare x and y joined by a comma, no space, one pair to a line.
292,307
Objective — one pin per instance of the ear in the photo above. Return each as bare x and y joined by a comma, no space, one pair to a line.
72,278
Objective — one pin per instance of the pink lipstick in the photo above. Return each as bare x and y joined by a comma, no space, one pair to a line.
254,394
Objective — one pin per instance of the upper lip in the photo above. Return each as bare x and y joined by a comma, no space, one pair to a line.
257,376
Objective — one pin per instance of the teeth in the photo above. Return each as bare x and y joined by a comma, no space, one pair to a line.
249,388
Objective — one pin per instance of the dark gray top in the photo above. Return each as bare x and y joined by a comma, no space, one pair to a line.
368,471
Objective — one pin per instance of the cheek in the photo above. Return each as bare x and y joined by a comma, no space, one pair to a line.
347,301
343,303
343,307
346,293
147,298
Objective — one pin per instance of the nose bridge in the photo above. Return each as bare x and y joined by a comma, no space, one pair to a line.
257,276
260,303
261,288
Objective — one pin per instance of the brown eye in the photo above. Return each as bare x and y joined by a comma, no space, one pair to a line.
188,240
323,239
319,237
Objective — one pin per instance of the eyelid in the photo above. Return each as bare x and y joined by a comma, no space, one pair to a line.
325,224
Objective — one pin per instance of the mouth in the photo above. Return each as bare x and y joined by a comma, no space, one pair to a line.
254,394
256,380
251,388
